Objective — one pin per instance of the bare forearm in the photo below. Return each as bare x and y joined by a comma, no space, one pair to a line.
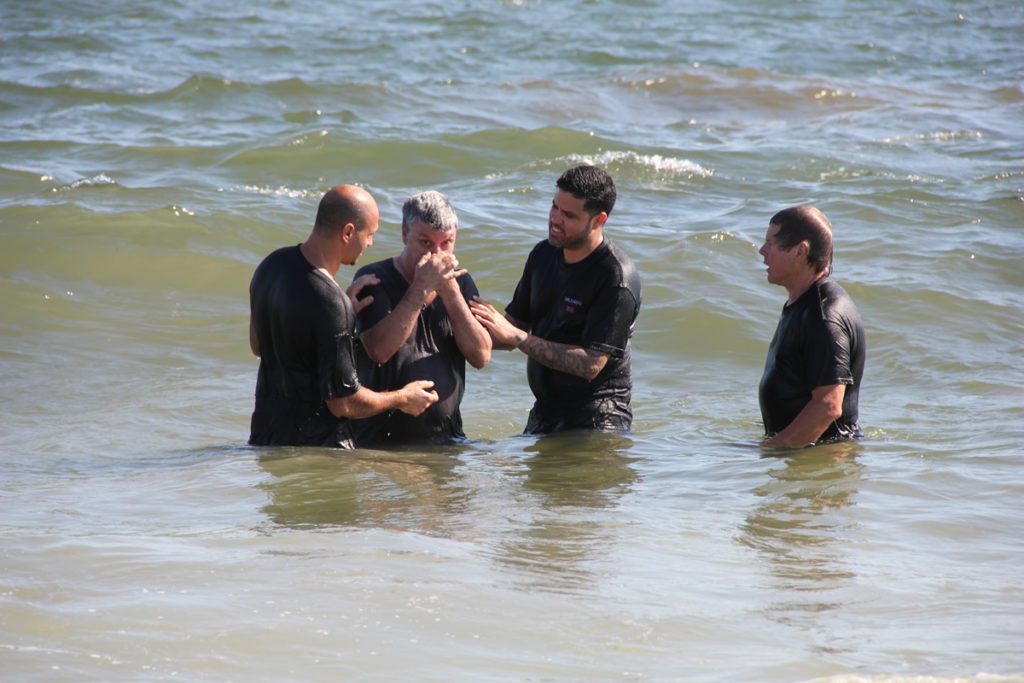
472,339
572,360
825,406
501,346
804,430
384,339
517,332
365,403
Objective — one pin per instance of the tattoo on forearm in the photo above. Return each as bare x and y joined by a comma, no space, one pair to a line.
572,360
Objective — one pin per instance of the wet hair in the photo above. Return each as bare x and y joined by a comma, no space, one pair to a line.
341,205
430,208
805,222
591,184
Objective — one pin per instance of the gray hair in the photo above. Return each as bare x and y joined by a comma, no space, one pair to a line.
431,208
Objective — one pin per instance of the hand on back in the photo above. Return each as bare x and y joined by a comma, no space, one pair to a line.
357,286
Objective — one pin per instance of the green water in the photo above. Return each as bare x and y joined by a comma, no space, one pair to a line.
150,156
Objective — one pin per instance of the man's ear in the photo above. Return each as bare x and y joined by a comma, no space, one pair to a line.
347,232
804,249
600,218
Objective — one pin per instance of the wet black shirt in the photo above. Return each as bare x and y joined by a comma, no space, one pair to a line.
594,304
305,325
819,341
430,353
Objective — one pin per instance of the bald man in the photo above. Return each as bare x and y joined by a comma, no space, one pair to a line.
302,325
810,388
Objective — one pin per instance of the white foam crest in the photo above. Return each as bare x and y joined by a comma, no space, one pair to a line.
832,94
936,136
281,191
841,173
92,181
654,162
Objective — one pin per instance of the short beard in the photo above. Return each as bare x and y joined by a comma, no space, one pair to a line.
576,242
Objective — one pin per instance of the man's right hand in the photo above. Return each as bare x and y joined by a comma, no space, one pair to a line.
505,334
418,397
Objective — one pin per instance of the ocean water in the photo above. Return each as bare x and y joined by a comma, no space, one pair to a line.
152,153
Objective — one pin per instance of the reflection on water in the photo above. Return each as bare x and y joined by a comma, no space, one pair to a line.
396,490
541,508
796,527
570,482
580,469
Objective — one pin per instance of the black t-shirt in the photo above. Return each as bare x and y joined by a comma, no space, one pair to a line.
305,324
430,353
594,304
819,341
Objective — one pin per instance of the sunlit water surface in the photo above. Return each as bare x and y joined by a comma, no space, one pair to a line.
152,154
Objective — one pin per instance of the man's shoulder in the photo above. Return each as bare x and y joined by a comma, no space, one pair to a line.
544,250
832,297
830,289
544,257
314,293
382,267
279,255
826,303
621,265
273,263
391,285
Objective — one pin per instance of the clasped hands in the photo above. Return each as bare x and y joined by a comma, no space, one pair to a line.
437,272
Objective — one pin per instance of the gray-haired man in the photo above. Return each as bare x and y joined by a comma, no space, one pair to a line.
418,323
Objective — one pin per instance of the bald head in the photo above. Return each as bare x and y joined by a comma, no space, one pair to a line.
345,204
806,223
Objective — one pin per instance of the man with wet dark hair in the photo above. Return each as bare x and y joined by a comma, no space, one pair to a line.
573,313
591,184
811,383
301,327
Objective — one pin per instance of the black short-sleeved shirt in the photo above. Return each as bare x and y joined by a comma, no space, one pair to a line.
594,304
430,353
819,341
305,324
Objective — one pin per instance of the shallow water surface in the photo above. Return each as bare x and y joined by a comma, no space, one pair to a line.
143,540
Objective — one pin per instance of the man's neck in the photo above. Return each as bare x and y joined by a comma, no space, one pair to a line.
579,253
797,290
408,272
320,258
